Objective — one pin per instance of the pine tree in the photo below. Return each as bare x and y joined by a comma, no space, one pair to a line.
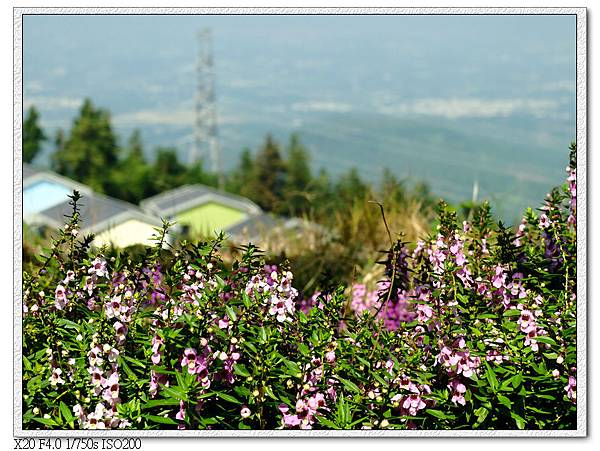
323,194
350,187
297,189
33,135
392,190
167,172
90,153
131,179
265,186
242,174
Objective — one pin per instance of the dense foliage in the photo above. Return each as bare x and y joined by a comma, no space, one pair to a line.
474,327
33,135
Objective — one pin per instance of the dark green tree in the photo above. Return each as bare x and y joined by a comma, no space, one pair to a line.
392,189
197,174
90,153
350,187
297,189
132,179
242,174
265,187
33,135
323,195
167,172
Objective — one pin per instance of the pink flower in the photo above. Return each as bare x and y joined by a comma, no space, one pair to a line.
458,390
70,277
157,379
571,389
189,360
499,278
113,385
330,357
526,321
181,414
224,323
55,378
120,331
424,312
156,354
245,412
495,356
94,356
288,420
60,300
98,268
413,403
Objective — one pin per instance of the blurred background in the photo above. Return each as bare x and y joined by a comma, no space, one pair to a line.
305,117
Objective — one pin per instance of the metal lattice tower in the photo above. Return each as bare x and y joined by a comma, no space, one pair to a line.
206,138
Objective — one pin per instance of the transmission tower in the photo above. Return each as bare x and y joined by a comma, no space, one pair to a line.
206,138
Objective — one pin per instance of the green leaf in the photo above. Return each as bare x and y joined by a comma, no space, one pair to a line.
220,281
438,414
231,313
160,402
175,392
517,379
348,385
293,368
303,349
379,379
241,370
159,419
130,374
519,421
328,423
68,324
134,362
491,377
262,334
482,414
66,412
505,401
242,391
512,312
46,421
545,339
246,300
249,346
226,397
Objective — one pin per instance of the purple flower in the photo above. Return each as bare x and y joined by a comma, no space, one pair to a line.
60,299
181,414
98,267
499,278
571,389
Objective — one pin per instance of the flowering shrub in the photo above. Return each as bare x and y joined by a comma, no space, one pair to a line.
474,327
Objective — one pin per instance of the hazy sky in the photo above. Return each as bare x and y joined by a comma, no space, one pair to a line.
452,66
